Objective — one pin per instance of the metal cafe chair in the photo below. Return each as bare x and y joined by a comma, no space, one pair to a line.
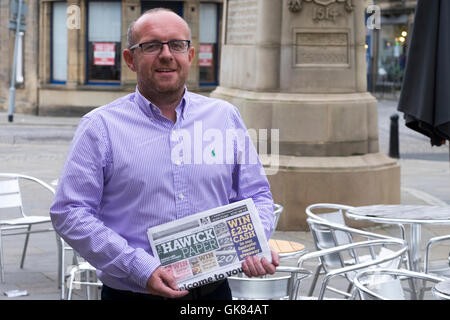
71,275
441,290
62,248
272,287
382,252
17,221
82,273
440,268
329,229
392,284
334,213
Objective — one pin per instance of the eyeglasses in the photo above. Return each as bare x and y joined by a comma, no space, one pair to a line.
155,47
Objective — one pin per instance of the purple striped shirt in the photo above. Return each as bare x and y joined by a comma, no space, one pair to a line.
129,168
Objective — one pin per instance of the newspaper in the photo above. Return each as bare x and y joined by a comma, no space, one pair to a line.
211,245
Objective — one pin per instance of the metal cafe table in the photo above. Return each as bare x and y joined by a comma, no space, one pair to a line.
413,215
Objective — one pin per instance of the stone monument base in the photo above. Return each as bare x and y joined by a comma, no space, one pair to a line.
353,180
319,125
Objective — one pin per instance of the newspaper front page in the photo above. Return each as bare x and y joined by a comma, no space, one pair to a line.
211,245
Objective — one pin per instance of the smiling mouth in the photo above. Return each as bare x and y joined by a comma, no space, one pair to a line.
165,70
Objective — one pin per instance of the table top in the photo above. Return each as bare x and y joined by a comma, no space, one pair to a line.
402,214
286,247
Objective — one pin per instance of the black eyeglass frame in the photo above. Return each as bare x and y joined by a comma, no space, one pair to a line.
162,44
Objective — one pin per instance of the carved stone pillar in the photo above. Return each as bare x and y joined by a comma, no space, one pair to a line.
299,66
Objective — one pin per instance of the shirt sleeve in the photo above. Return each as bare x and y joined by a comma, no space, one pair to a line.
75,210
249,178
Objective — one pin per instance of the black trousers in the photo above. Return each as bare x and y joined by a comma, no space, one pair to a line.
215,291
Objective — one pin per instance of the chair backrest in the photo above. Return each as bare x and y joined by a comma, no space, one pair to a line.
10,196
334,214
260,288
10,190
397,248
385,288
440,267
390,284
270,287
324,238
324,235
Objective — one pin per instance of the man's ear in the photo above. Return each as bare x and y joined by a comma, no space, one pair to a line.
129,59
191,54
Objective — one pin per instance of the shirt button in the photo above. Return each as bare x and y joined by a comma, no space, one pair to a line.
178,163
181,196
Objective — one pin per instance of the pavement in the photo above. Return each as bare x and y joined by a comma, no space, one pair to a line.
37,146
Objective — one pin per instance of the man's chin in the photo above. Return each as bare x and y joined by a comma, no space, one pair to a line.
173,88
156,87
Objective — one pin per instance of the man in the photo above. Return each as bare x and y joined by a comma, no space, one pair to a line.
122,175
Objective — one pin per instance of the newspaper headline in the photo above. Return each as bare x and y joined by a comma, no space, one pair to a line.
211,245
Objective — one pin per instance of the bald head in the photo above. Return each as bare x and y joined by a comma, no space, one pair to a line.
132,37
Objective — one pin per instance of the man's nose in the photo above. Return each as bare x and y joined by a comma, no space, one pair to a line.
165,51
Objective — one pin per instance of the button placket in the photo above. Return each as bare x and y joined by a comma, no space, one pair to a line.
179,185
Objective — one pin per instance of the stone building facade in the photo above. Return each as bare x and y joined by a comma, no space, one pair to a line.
72,59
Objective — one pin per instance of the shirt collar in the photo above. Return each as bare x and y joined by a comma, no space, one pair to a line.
152,110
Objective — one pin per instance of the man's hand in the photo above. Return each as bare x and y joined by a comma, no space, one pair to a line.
254,267
162,283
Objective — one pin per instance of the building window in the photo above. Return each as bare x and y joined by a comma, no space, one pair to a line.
104,45
59,43
207,51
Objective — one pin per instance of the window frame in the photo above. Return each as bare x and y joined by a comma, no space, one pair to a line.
215,48
88,81
52,42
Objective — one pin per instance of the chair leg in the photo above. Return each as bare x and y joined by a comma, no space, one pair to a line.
2,275
350,287
61,265
25,247
323,288
62,274
314,282
72,278
88,288
353,294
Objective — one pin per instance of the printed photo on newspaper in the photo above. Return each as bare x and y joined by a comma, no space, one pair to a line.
209,246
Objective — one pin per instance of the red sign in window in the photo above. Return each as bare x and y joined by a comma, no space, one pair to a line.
205,55
104,53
